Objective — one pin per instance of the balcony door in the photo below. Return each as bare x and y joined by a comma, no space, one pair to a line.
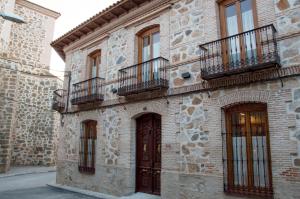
149,49
93,71
237,18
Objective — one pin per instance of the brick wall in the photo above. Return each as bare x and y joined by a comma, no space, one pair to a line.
191,123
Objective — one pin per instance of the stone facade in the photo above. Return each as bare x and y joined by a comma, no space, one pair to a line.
28,130
192,118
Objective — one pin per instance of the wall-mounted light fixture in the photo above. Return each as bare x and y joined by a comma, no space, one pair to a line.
114,90
12,17
186,75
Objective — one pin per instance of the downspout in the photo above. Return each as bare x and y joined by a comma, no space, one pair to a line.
69,86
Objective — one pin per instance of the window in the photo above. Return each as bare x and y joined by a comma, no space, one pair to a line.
93,71
236,17
149,49
93,65
87,150
246,151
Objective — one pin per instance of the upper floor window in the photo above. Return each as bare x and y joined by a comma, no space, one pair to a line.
237,16
149,49
94,64
149,44
244,45
87,150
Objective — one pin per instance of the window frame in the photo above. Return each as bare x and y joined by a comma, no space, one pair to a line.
91,57
247,108
223,4
87,127
148,31
222,7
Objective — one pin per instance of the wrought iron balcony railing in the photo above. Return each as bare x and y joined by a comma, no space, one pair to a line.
88,91
58,102
143,77
251,50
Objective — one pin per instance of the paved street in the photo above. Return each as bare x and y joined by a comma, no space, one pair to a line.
33,186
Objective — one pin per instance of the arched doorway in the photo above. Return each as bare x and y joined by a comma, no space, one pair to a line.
148,150
246,151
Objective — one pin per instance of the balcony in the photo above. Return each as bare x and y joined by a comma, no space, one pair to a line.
248,51
58,103
147,76
88,92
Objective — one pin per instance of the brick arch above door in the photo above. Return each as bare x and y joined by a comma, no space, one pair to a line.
159,107
243,96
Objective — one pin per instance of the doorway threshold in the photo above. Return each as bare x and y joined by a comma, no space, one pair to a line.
141,196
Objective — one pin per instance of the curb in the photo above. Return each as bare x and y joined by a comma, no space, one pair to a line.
26,173
83,192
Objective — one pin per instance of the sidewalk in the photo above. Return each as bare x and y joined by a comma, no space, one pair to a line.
103,196
23,170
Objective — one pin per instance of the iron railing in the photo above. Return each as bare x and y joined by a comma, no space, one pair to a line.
88,91
58,101
146,76
251,50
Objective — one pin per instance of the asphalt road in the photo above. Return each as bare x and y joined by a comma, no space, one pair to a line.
34,186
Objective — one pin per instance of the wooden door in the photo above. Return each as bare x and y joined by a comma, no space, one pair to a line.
248,149
238,17
148,154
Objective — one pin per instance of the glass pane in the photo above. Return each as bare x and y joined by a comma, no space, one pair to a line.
146,56
82,130
259,149
156,53
232,29
247,15
146,49
239,148
260,163
156,45
249,38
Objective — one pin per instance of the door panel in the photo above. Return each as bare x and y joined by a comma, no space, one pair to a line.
148,154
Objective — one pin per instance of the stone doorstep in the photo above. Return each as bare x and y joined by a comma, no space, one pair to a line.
101,195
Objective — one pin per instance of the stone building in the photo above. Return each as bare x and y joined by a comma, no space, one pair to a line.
184,99
28,125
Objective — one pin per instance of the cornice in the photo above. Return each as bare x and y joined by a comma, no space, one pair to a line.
132,16
38,8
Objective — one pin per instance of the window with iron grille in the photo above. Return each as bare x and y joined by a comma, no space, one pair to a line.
87,149
246,150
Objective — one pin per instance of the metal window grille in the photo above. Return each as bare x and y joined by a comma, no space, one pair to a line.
87,148
246,151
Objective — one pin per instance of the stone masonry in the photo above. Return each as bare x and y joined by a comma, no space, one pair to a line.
192,119
28,126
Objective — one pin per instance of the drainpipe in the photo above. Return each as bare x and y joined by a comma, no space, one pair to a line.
69,86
